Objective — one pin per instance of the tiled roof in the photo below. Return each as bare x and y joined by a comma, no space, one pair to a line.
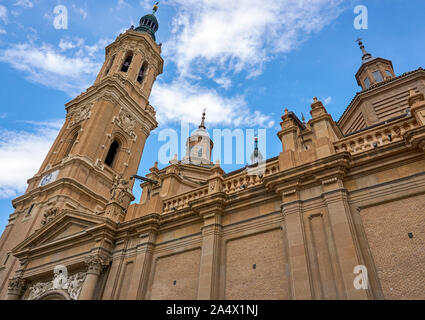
377,86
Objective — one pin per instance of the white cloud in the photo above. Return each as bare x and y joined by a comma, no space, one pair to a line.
181,100
224,82
71,73
83,12
215,39
21,155
242,35
328,100
2,31
65,44
3,14
24,3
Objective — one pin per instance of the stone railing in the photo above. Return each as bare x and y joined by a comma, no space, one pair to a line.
232,184
240,182
375,137
181,201
272,168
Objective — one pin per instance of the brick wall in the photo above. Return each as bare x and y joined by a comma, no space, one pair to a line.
269,280
177,276
400,261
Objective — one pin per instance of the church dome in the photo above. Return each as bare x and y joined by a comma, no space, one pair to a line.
149,24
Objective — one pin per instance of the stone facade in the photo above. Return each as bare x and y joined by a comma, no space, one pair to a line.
341,194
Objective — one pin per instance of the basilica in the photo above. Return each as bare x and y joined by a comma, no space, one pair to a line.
338,214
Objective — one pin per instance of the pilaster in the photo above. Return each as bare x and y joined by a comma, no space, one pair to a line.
298,255
343,232
142,267
211,210
95,265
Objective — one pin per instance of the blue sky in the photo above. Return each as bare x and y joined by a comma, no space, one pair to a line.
245,61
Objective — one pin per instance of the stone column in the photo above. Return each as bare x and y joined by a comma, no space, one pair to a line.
95,266
344,238
16,288
209,269
298,260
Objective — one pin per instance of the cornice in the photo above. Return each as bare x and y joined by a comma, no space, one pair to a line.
138,36
308,173
112,88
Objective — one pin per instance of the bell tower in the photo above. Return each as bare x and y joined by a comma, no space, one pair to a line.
101,142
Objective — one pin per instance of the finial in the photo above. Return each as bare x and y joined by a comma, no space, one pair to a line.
303,118
286,111
256,147
203,119
366,55
155,8
315,99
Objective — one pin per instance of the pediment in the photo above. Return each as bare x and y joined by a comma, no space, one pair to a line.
67,225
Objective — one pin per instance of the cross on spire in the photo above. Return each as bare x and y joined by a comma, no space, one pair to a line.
366,55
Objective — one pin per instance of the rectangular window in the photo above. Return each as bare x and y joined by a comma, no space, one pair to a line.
388,72
367,83
30,210
6,259
378,76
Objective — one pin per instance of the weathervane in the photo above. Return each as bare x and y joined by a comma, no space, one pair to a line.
155,7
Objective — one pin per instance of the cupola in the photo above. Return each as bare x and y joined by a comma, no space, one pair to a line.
149,23
373,70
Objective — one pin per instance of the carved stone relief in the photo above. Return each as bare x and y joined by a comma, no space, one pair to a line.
61,281
49,215
79,114
127,122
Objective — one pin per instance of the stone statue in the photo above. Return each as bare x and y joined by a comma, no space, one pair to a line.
60,280
119,188
72,285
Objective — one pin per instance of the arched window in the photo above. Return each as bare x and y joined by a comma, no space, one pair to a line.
127,62
110,65
142,72
112,153
69,144
200,153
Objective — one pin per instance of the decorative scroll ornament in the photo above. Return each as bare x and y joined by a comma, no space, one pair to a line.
73,284
127,122
80,114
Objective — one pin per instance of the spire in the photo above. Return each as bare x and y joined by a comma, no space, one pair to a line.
256,155
366,55
202,125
